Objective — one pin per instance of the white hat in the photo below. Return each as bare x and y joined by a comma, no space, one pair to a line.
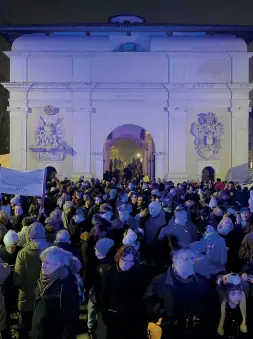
10,238
213,202
130,239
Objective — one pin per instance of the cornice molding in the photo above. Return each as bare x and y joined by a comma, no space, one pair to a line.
100,87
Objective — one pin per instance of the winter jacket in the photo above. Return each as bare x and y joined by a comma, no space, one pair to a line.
56,311
245,252
27,271
215,255
122,302
184,304
185,234
4,273
233,242
152,227
67,247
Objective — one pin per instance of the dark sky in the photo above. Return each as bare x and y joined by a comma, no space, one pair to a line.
95,11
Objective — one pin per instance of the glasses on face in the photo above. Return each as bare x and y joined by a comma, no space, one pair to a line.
187,259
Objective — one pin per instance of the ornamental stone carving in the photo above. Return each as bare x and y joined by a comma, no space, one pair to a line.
49,136
207,132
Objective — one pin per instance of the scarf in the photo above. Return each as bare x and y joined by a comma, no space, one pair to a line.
45,282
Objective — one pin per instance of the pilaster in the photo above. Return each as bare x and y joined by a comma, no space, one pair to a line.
18,108
99,164
239,143
177,142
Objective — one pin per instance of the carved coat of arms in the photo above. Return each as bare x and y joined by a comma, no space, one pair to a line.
207,132
49,136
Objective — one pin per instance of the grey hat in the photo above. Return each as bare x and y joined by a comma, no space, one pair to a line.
104,245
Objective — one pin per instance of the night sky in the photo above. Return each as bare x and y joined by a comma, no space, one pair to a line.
238,12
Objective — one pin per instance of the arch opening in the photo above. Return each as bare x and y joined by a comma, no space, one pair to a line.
208,173
129,151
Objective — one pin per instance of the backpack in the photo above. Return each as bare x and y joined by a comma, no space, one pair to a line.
155,330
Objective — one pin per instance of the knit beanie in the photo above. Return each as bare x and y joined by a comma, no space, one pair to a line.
104,245
10,238
63,236
130,239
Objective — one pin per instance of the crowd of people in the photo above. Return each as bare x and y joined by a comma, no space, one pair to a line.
155,259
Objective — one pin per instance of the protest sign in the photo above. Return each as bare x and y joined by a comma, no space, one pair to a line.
28,183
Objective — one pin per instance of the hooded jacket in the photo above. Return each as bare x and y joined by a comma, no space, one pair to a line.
27,271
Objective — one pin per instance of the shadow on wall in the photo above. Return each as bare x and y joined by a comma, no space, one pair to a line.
238,173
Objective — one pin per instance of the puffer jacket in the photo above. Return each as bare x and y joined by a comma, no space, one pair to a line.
27,271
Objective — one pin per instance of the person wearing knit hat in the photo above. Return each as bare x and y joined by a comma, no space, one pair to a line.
102,247
10,241
130,239
27,271
231,291
62,236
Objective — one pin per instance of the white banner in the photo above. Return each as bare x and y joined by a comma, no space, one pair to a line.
29,183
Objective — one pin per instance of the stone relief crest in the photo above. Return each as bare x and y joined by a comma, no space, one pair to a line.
49,136
207,132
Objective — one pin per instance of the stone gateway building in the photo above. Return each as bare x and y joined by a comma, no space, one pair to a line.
182,91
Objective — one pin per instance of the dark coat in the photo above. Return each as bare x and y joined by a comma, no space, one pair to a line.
4,273
122,302
56,311
245,252
233,242
184,304
10,291
67,247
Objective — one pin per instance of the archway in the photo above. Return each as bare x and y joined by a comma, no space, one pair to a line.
208,174
129,149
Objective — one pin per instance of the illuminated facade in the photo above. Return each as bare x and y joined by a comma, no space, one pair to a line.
70,90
